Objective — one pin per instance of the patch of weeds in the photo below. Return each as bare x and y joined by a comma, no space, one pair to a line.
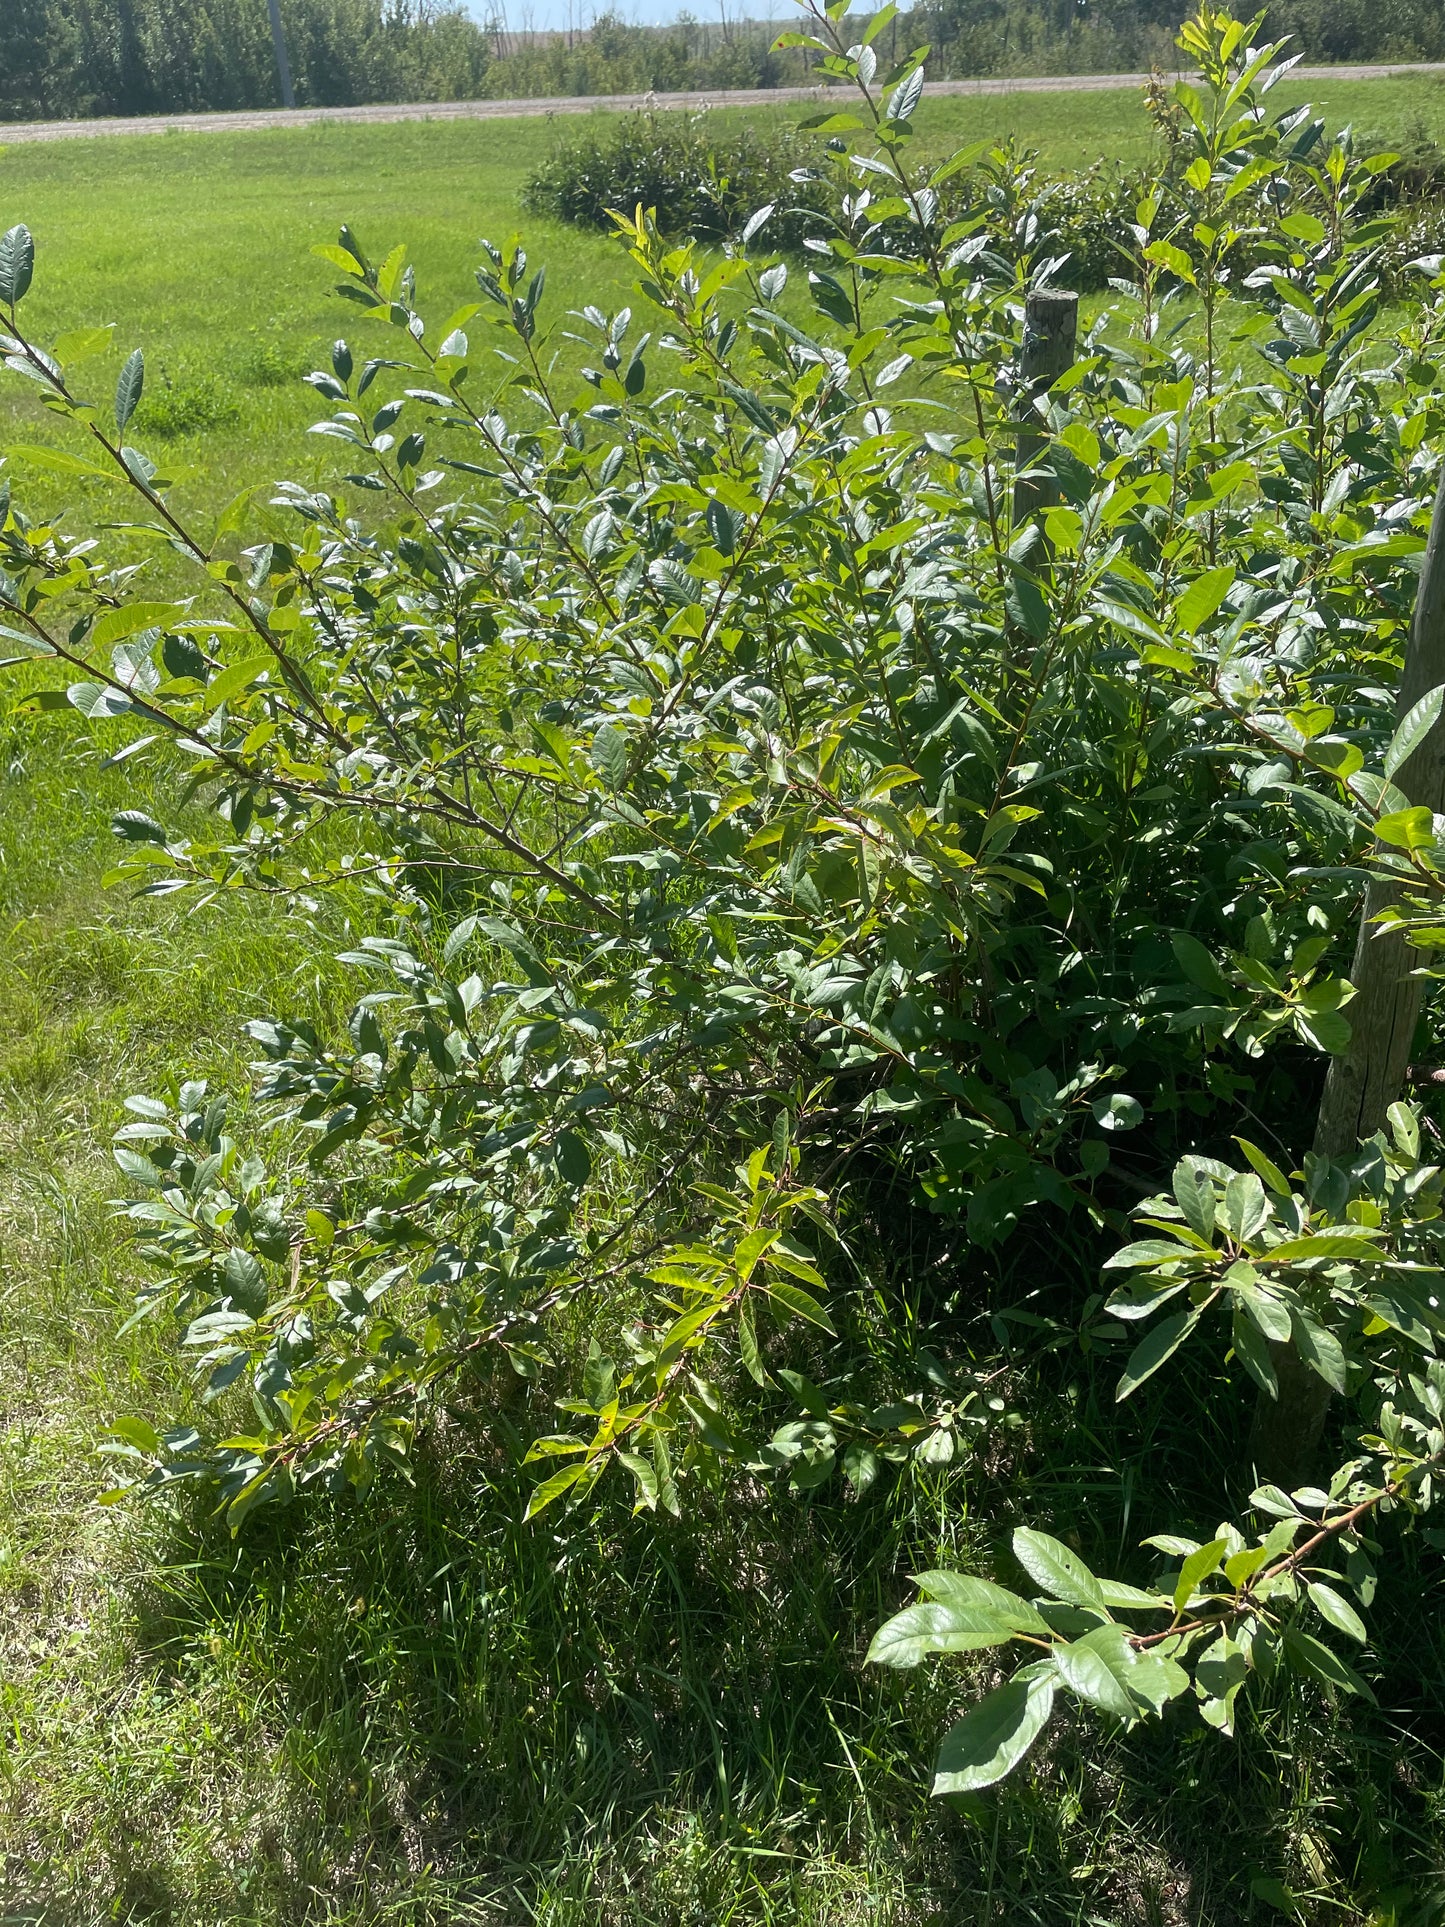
267,364
189,408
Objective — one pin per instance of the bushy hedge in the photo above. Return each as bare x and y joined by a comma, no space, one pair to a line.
703,178
697,177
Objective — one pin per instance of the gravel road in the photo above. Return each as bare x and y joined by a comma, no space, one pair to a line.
59,130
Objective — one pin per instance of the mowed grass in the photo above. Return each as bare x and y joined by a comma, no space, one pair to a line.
410,1708
198,247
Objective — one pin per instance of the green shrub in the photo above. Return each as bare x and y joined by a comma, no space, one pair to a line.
698,177
851,836
190,407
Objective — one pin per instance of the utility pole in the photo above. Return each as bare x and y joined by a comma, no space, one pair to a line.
283,65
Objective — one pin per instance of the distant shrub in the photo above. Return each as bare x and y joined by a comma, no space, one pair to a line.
189,408
1415,176
269,365
700,179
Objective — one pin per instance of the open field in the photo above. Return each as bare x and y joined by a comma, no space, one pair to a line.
200,249
413,1710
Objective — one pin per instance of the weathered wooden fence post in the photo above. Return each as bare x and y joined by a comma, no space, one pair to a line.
1051,333
1366,1079
283,65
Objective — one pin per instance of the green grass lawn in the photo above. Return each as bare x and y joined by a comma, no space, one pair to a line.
199,247
410,1709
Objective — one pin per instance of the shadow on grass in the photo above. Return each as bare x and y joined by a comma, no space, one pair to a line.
452,1717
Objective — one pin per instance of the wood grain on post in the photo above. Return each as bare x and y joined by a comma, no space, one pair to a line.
1367,1078
1051,333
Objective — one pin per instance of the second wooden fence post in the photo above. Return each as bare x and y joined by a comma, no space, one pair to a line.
1051,333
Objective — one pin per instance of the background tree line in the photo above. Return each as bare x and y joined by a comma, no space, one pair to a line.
79,57
66,58
1107,36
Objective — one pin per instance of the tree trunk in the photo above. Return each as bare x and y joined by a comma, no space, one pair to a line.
1368,1077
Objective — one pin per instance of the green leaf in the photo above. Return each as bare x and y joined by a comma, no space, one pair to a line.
1166,255
1117,1112
128,389
1121,1598
1253,1353
992,1737
1321,1351
794,1299
1337,1610
137,1167
461,935
1340,758
1413,728
906,99
1194,1194
263,1488
1148,1252
1412,829
753,1362
1274,1894
1097,1668
1322,1244
1059,1572
59,460
17,264
1154,1349
1196,1569
752,1248
1309,1655
645,1479
574,1160
1026,606
963,1589
1246,1209
82,344
116,624
1266,1167
134,826
92,699
1203,598
135,1431
1303,227
860,1464
1269,1313
1198,965
554,1487
230,682
918,1631
609,755
245,1281
1142,1296
1405,1129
